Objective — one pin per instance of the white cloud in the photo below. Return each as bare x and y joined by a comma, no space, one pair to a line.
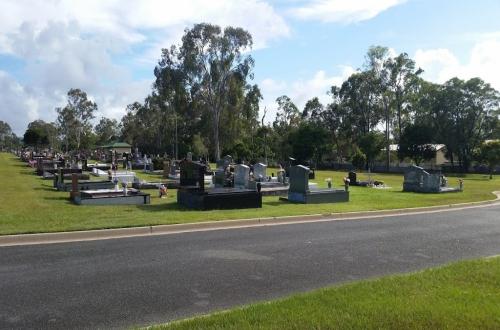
483,61
301,90
135,21
18,103
65,44
343,11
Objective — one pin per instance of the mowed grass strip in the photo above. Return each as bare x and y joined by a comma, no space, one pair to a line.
464,295
29,204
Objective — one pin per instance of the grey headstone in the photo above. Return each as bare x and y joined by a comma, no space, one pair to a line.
259,172
299,179
417,179
241,175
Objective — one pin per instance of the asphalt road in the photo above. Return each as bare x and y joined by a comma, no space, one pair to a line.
146,280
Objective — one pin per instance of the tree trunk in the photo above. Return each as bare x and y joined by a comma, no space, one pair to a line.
216,134
387,142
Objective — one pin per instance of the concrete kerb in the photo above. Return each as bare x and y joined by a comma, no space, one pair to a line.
88,235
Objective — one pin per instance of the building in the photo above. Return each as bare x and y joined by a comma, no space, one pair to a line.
118,147
438,160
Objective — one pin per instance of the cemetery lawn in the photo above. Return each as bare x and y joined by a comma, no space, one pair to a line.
29,204
463,295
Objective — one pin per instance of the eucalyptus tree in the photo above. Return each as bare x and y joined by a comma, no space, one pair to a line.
75,118
213,59
376,60
287,115
401,81
471,107
312,109
107,130
5,134
360,98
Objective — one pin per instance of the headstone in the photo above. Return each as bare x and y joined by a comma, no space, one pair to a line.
259,172
173,168
192,174
189,156
299,179
352,178
241,175
225,161
74,186
418,180
166,168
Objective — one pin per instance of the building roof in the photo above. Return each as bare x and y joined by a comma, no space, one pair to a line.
116,145
394,147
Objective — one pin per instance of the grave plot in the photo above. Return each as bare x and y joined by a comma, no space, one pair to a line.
193,194
300,192
416,179
269,185
107,196
353,181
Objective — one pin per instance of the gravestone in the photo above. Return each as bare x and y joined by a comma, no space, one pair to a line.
299,179
259,172
224,162
241,176
166,168
299,191
189,156
223,175
416,179
192,174
353,179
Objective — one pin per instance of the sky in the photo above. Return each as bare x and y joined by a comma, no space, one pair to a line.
109,48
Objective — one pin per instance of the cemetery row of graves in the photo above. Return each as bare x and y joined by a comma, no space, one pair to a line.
77,194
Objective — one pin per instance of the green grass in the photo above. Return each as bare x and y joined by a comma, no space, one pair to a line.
29,204
464,295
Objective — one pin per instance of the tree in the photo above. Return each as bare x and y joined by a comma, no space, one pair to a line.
415,143
371,145
5,134
107,130
287,115
74,120
376,61
360,98
35,137
358,159
312,109
212,60
308,142
489,153
48,130
401,82
463,114
199,147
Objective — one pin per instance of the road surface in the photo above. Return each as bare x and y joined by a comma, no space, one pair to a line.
140,281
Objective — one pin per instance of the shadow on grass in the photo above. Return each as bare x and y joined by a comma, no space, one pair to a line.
23,165
45,188
28,171
276,203
60,199
164,207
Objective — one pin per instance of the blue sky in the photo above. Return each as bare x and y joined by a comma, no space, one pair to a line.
301,48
